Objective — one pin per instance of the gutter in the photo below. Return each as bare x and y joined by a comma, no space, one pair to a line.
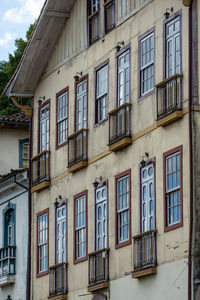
190,153
19,183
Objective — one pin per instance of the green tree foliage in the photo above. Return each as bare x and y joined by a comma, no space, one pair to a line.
7,69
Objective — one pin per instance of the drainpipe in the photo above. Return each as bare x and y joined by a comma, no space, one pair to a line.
28,291
190,154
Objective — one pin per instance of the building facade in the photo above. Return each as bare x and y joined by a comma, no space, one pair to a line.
111,149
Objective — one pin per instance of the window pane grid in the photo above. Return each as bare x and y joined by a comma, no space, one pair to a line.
123,208
80,223
173,188
123,78
42,242
62,118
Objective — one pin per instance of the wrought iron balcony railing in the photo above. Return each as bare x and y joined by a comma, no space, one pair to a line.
144,250
58,279
94,27
78,147
120,123
99,266
7,261
169,95
40,167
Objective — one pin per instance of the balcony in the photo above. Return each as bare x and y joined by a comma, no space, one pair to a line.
144,254
169,100
58,281
77,150
98,270
40,175
93,27
120,127
7,265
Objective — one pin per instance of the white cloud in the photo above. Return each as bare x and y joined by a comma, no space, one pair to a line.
26,12
7,38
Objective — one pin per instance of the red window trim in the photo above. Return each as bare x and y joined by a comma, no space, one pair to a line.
128,242
86,77
39,274
39,108
105,183
62,203
65,90
98,68
172,151
78,260
149,161
124,49
141,37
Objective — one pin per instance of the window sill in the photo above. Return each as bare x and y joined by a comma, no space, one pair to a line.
58,297
174,226
146,271
100,123
98,286
38,275
7,280
123,244
61,145
170,118
140,98
79,260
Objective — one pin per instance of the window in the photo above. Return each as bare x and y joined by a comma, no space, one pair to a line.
123,228
81,105
146,64
24,153
80,224
147,198
101,217
93,20
101,94
173,188
61,234
62,117
173,50
109,15
123,77
9,225
42,242
44,127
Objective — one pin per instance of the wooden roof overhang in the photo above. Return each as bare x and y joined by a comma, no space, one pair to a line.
37,53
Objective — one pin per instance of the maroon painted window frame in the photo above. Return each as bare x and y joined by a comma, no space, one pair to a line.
39,109
86,77
104,183
62,203
174,16
96,70
92,15
141,37
148,162
165,155
107,5
77,196
124,49
39,274
127,242
63,91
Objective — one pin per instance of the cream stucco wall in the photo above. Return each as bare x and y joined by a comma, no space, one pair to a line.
9,140
147,137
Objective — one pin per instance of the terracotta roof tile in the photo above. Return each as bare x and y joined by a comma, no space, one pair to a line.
18,118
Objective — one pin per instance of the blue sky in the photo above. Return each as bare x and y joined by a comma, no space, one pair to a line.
15,18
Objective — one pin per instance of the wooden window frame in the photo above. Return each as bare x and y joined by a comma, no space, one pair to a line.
39,109
104,183
86,77
91,14
141,37
165,155
98,68
107,3
63,91
21,153
174,16
148,162
62,203
39,274
124,49
127,242
79,195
